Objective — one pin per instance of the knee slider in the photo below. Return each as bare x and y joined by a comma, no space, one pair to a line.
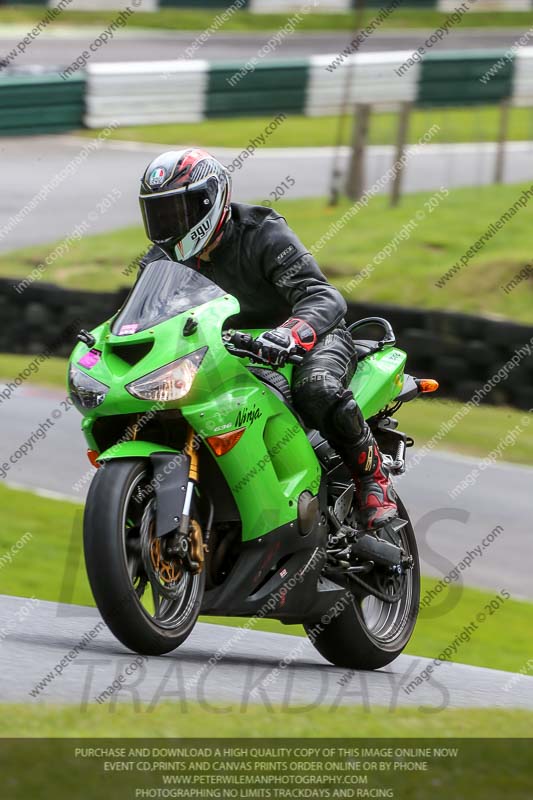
344,419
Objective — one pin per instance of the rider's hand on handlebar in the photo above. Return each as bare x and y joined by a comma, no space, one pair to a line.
276,346
279,344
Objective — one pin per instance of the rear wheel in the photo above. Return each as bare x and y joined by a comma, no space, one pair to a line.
149,600
369,632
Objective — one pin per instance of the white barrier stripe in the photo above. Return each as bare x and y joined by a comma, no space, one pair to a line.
137,93
449,6
373,80
282,6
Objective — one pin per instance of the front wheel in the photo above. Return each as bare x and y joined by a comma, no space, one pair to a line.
149,601
369,633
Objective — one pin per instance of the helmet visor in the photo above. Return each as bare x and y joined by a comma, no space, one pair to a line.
170,217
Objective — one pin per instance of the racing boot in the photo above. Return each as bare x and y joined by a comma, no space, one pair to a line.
376,498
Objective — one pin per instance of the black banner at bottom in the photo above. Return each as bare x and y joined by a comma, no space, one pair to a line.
151,769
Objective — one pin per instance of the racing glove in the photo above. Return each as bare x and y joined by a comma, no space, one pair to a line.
277,345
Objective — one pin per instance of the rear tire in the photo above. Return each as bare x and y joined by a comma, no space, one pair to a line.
349,640
116,576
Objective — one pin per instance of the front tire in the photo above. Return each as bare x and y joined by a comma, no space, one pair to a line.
117,521
370,633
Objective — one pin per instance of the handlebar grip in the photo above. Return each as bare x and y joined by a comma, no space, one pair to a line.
245,346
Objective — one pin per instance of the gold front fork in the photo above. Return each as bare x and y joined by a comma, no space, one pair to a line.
188,525
192,452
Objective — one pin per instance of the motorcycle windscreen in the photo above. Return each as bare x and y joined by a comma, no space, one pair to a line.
164,290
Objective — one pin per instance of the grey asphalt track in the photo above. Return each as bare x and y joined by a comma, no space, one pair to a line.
61,46
446,529
31,164
39,636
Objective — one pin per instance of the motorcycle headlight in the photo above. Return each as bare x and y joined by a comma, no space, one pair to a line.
86,392
171,382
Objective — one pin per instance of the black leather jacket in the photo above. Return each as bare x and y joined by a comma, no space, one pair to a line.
261,261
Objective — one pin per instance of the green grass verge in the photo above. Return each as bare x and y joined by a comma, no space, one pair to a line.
194,721
474,124
199,19
476,435
54,550
52,372
407,277
502,641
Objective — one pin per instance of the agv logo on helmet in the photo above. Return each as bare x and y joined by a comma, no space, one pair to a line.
201,230
157,177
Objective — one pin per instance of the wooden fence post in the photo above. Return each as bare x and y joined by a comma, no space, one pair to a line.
505,108
356,177
401,141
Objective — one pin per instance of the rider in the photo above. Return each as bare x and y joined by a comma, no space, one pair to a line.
251,253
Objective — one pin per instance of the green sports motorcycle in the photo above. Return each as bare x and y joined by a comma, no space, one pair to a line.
212,497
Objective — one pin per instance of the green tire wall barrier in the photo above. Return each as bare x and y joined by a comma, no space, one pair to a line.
453,79
40,104
269,89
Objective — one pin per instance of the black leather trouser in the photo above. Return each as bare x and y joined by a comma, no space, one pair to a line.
322,397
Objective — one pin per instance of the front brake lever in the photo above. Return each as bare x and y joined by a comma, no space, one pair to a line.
235,351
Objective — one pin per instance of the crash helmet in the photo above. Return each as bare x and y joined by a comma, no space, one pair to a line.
185,201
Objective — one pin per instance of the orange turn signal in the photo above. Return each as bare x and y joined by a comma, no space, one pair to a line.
223,443
92,455
428,385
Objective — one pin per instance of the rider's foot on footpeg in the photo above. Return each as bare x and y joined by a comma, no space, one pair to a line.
393,526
